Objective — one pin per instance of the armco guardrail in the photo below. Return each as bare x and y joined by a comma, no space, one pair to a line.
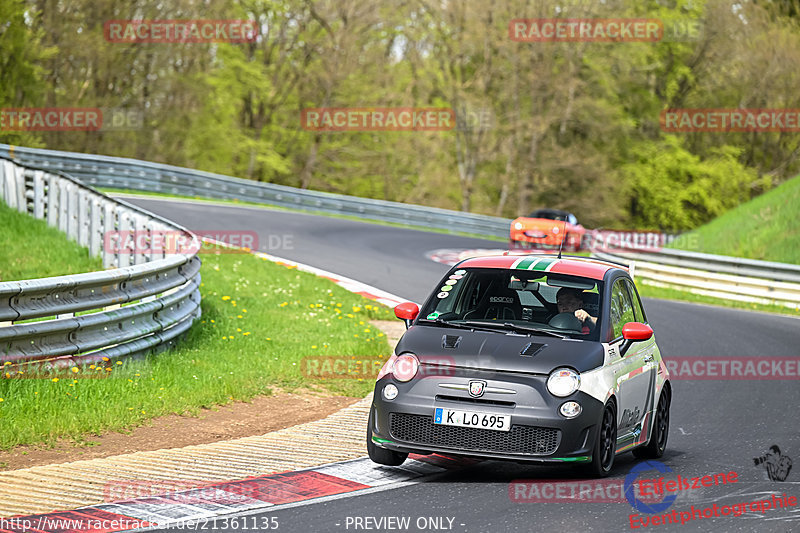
123,173
143,303
719,276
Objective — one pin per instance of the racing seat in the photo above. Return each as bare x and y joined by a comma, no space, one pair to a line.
498,303
591,303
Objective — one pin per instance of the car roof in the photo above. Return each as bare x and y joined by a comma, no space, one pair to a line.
584,267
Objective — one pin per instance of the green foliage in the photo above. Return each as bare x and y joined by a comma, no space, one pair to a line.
673,189
572,124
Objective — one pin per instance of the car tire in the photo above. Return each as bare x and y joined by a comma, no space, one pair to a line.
605,442
381,455
658,439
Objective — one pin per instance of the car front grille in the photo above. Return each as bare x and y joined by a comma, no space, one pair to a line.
522,440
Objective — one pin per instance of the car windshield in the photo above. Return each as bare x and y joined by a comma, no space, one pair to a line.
517,301
550,215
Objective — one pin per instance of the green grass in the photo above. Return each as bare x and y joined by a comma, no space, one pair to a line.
260,320
764,228
311,212
29,248
664,293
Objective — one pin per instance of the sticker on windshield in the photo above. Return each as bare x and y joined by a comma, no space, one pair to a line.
443,295
446,288
456,276
450,282
460,272
434,315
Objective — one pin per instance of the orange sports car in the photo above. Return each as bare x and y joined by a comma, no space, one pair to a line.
547,228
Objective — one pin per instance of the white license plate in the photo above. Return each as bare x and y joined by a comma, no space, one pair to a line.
471,419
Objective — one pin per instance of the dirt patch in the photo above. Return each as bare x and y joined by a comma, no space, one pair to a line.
262,415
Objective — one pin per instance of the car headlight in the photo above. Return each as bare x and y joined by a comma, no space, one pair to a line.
405,367
563,382
518,226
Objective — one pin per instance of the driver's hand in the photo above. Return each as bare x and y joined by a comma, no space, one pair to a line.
581,315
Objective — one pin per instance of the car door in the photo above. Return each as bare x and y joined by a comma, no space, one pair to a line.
635,370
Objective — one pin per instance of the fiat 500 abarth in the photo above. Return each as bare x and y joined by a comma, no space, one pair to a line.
529,358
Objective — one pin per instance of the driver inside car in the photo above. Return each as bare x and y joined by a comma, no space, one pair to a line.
570,301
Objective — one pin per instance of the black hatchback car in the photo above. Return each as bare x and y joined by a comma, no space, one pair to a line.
531,358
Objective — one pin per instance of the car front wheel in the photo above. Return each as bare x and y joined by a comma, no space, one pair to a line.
658,440
605,444
381,455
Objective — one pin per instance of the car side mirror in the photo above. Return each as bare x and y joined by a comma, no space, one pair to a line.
634,332
407,312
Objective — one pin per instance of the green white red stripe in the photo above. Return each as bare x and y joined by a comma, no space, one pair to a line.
542,264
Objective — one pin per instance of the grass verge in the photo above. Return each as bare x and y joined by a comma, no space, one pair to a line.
764,228
29,248
260,320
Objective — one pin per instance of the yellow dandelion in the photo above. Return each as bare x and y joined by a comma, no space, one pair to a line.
212,321
239,316
75,369
105,359
2,400
54,380
226,298
8,375
314,347
119,362
356,309
7,363
230,336
246,333
238,330
244,310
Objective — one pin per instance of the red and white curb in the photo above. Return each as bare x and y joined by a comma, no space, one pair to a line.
234,497
349,284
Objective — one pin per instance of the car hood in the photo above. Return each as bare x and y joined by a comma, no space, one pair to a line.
498,351
541,224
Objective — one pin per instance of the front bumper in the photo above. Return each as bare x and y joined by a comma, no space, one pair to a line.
539,433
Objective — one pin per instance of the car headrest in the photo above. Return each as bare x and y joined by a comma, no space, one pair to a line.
591,302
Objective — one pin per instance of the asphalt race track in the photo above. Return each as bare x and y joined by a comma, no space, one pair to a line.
716,426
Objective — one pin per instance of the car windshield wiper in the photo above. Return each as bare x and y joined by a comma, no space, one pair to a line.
461,325
517,327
